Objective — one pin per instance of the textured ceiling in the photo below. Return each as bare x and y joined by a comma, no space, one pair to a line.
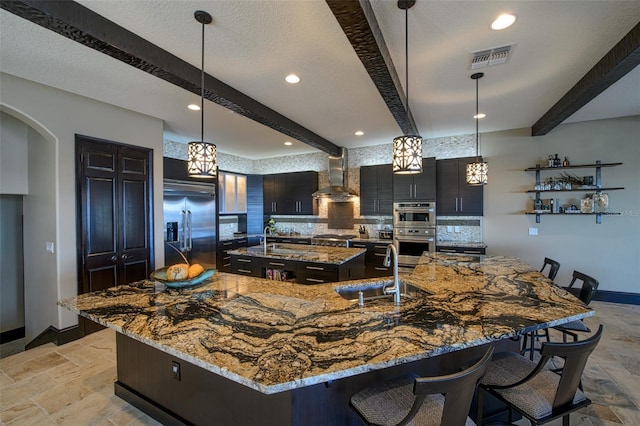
253,45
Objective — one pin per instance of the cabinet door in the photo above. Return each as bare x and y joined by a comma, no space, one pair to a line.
385,189
447,187
274,193
424,184
300,186
402,187
470,197
368,190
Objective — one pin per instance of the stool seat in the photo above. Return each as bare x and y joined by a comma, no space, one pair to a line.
422,401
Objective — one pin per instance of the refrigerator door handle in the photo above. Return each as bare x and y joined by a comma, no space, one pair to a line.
183,225
190,245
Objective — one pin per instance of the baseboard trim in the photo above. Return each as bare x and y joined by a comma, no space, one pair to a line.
59,337
617,297
11,335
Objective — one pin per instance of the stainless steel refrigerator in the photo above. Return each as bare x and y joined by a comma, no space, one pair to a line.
190,222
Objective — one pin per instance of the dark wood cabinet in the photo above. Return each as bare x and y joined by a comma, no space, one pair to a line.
455,197
376,190
374,258
420,186
290,193
459,249
223,260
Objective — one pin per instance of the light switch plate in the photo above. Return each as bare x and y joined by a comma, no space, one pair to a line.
49,247
533,231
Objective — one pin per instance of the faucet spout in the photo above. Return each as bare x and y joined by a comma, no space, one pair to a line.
395,290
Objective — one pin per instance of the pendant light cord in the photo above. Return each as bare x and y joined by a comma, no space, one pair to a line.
477,119
202,89
406,65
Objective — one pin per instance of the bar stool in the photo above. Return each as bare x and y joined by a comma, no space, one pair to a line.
539,394
585,294
420,400
529,341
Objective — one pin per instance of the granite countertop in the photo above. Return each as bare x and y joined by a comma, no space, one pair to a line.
469,244
274,337
302,253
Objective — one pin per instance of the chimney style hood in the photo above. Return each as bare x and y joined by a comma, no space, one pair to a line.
337,189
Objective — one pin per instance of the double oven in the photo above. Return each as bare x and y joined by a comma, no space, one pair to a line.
414,230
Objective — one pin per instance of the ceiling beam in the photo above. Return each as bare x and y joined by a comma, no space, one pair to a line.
620,60
361,28
80,24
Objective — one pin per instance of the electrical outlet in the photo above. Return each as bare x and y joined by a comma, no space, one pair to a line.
533,231
49,247
457,229
175,370
449,228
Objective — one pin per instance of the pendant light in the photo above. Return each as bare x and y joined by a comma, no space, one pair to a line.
478,170
202,155
407,149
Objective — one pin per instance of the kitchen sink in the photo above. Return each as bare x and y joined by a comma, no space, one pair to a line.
372,291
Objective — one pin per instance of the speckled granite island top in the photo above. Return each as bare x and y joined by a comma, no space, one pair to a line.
278,336
301,252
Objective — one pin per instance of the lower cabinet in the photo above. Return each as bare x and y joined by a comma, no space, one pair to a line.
374,258
458,249
223,260
289,240
301,272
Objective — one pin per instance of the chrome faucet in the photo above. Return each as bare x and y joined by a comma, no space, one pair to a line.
395,290
264,237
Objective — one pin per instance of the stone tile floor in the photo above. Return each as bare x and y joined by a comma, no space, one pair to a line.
73,384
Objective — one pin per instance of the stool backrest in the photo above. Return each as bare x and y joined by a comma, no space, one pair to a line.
458,389
575,355
588,289
553,268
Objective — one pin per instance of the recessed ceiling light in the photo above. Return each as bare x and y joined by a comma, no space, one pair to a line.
481,115
287,143
359,133
503,21
194,107
292,78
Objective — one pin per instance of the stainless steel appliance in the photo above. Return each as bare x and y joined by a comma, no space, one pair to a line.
335,240
414,230
414,214
190,222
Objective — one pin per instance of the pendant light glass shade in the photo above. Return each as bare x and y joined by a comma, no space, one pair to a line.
407,155
201,159
477,172
407,149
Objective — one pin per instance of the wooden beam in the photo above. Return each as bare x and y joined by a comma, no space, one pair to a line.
361,28
620,60
80,24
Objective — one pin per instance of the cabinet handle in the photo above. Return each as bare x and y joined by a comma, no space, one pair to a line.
378,208
415,190
410,191
472,252
246,271
315,268
244,260
285,241
380,247
113,258
276,263
447,250
358,245
380,268
381,254
226,264
126,256
456,203
314,280
461,204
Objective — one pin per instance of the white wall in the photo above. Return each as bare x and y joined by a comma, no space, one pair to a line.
610,252
58,116
13,156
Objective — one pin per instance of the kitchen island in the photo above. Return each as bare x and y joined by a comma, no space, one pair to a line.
242,350
303,264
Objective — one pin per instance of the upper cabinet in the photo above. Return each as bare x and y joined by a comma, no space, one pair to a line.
455,197
420,186
376,190
290,193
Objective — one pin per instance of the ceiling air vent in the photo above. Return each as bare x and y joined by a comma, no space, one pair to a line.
488,57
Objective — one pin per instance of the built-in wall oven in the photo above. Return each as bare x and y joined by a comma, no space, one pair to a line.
414,230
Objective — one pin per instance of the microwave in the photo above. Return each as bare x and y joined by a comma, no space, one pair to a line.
414,214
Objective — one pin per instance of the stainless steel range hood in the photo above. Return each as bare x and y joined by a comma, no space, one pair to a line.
337,189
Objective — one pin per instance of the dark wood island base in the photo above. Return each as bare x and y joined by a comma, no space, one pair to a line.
148,380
